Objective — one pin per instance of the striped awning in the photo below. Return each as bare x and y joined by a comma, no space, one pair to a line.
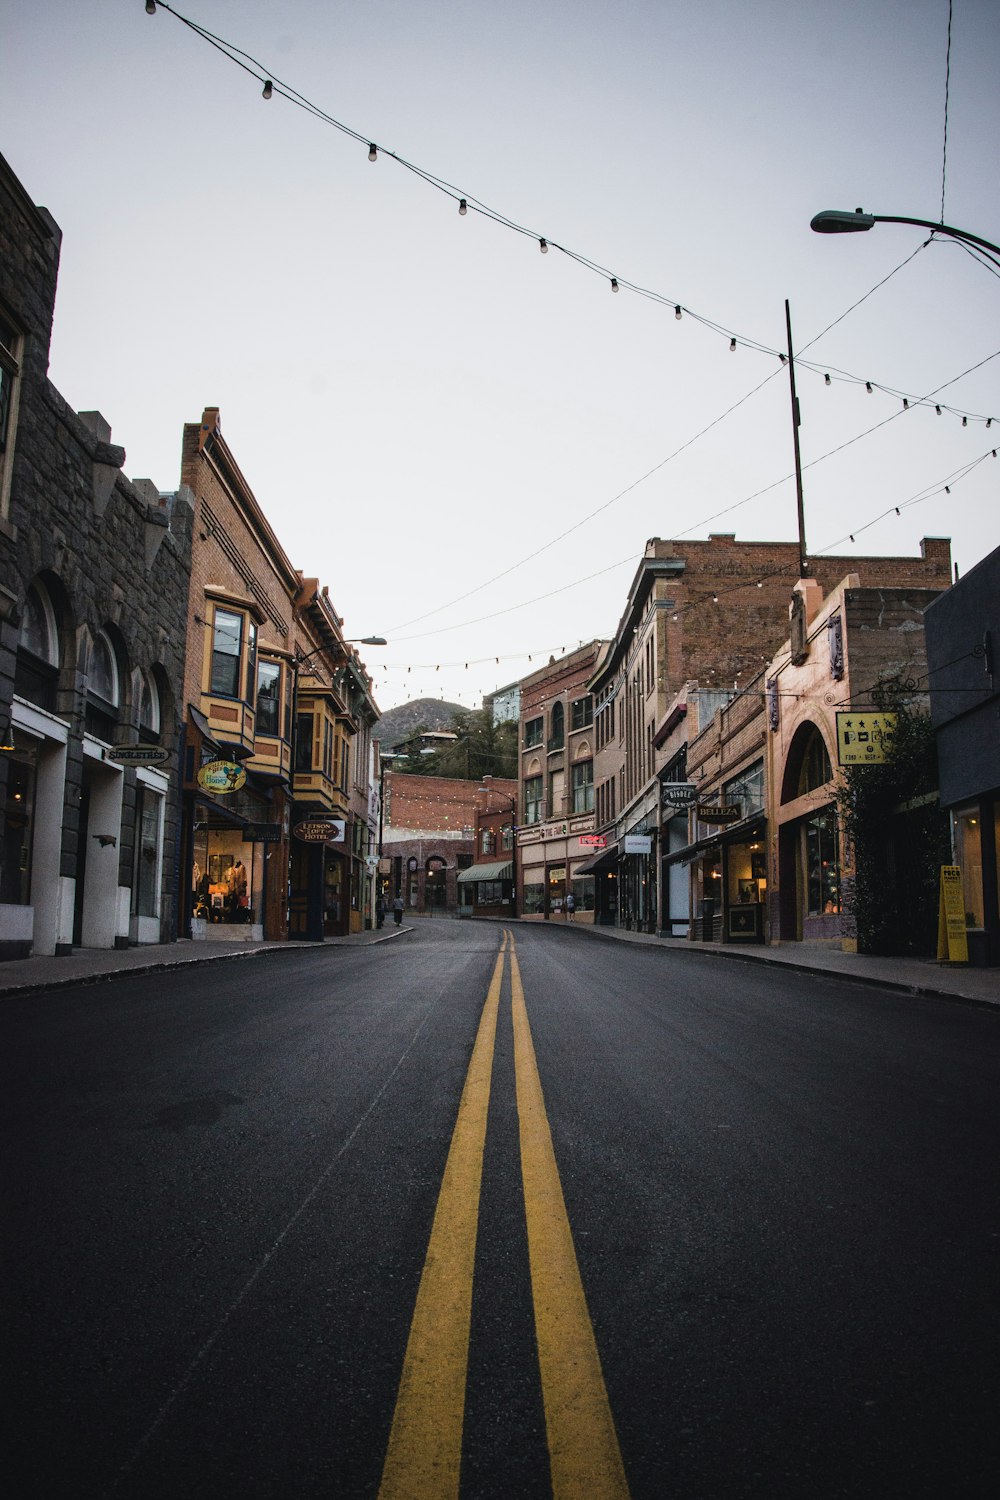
503,870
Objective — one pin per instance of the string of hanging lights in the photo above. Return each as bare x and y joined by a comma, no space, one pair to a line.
465,202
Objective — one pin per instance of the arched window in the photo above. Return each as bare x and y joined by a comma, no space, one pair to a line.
149,706
807,765
816,770
37,649
38,625
102,675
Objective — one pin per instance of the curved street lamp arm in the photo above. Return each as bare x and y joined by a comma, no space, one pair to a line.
839,221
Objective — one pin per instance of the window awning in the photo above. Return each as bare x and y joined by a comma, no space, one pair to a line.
602,861
502,870
736,833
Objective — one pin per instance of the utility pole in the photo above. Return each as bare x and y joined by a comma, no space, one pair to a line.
796,422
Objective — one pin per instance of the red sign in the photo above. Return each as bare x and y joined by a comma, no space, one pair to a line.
595,840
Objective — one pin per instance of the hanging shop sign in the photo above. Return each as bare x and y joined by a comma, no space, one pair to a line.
594,840
953,942
864,739
678,793
637,843
222,776
720,812
137,755
263,833
319,830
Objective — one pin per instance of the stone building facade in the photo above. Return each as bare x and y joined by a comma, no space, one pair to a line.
94,572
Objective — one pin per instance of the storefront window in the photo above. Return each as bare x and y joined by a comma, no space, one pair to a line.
822,868
223,875
583,892
557,887
969,857
534,899
15,876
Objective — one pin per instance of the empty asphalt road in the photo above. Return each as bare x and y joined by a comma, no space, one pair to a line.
488,1213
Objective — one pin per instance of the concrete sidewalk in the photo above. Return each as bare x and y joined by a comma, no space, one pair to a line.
24,976
913,976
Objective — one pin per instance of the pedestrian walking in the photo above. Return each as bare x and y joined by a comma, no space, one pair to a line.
379,911
570,907
397,910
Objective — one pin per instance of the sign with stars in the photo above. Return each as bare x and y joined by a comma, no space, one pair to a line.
864,739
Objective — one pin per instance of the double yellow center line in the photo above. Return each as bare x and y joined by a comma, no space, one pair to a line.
423,1460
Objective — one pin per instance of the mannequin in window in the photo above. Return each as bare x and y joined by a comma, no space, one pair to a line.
236,890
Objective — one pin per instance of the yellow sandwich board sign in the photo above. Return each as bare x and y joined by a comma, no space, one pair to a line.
864,738
953,944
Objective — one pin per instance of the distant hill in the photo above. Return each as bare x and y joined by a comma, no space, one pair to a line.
397,724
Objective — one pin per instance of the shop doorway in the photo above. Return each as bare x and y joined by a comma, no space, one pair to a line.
435,885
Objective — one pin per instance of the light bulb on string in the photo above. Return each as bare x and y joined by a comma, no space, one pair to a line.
268,89
938,410
463,207
678,314
783,358
906,404
372,151
732,346
965,421
827,380
543,246
151,7
868,386
614,283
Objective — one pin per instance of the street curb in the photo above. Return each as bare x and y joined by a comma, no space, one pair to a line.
12,991
919,991
165,966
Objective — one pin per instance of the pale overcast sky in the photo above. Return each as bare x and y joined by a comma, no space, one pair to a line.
421,400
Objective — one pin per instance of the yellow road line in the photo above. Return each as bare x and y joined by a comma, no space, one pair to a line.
585,1459
423,1460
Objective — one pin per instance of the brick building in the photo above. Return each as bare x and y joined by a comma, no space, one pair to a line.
93,604
557,786
766,855
710,612
278,719
488,888
428,838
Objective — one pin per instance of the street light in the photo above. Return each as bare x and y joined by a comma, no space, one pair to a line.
512,801
842,221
